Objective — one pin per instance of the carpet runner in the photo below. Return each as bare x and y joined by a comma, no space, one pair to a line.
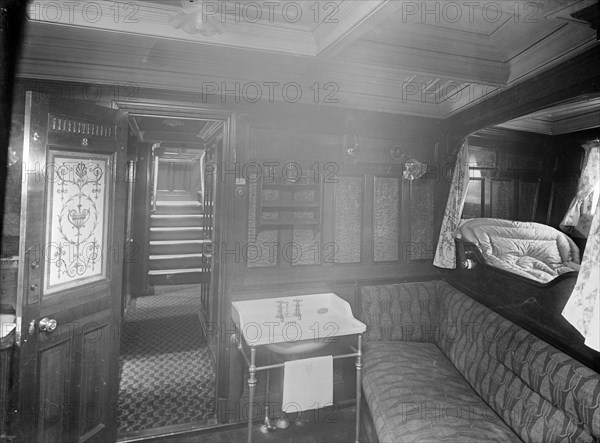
167,377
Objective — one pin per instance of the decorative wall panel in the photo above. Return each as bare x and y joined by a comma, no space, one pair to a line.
348,204
528,198
421,220
261,248
386,200
503,195
515,161
79,189
305,246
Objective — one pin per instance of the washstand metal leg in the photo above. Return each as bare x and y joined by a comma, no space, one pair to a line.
267,426
358,385
251,387
282,422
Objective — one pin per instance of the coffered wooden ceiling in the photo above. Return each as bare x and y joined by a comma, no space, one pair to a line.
426,58
572,116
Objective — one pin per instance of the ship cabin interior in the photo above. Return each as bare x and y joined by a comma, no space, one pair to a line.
172,165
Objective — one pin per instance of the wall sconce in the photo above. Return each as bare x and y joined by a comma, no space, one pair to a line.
414,169
351,148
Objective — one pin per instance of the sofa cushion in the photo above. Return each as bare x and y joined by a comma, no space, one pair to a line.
415,394
541,393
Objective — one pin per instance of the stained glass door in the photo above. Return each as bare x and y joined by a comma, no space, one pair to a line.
73,213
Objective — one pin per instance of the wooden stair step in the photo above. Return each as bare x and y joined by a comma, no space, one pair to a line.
164,220
178,276
159,247
175,195
178,207
178,261
177,233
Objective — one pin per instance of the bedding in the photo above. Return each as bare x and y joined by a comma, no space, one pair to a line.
531,250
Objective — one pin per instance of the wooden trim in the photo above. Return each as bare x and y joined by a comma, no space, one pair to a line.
577,76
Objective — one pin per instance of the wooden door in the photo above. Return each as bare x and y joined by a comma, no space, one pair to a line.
73,215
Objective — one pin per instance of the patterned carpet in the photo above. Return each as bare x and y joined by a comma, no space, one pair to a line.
167,377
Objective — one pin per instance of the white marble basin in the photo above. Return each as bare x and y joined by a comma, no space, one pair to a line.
323,318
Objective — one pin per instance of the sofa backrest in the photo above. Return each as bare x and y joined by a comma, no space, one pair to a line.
541,393
406,312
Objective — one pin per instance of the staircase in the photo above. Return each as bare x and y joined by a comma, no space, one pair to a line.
178,241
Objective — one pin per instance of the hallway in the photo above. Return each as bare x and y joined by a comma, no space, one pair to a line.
167,375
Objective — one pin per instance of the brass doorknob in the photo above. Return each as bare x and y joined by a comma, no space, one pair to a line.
47,324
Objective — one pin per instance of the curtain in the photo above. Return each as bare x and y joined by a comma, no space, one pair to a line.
445,253
583,308
580,212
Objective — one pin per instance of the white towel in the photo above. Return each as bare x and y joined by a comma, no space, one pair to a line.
307,384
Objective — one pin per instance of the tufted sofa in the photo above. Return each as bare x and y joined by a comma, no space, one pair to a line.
439,366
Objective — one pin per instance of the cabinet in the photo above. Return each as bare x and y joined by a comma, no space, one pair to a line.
288,203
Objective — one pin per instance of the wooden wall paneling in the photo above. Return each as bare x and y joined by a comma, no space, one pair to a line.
406,248
368,226
527,194
421,223
10,217
141,221
575,77
562,192
502,198
387,195
347,218
273,142
260,242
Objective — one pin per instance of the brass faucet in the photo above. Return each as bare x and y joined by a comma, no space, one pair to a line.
297,311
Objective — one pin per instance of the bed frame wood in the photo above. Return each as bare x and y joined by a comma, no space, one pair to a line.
535,306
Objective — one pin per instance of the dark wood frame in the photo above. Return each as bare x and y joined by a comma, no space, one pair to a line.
534,306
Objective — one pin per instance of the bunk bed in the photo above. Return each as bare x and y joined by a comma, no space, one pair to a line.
525,271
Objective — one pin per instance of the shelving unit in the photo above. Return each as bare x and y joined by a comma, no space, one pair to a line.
288,203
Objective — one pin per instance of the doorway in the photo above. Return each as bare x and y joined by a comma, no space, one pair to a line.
168,358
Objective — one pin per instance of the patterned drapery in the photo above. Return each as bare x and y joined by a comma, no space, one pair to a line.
445,254
583,308
580,212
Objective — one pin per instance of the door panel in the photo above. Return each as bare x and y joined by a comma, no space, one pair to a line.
73,233
54,363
